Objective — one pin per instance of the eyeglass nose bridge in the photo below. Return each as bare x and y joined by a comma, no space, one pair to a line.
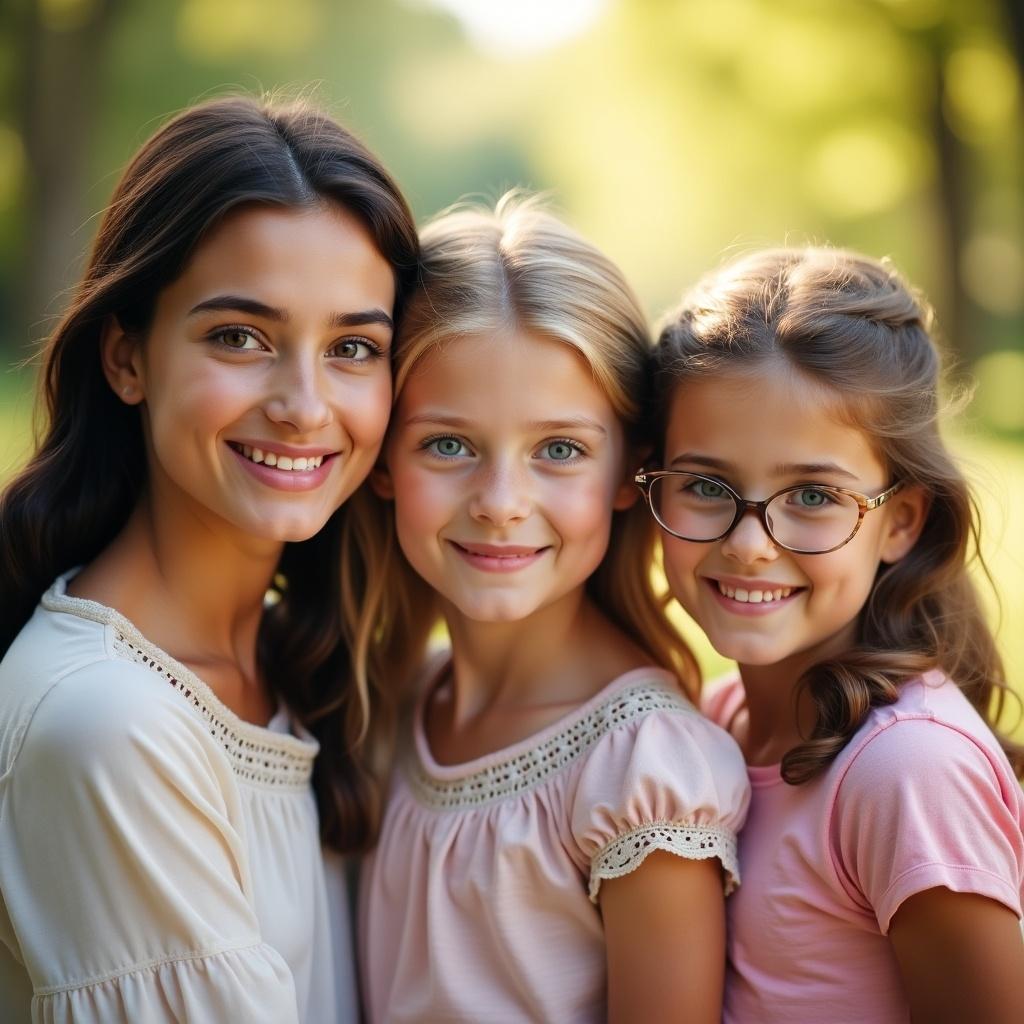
743,506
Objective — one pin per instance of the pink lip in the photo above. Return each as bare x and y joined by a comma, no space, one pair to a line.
498,557
746,608
286,479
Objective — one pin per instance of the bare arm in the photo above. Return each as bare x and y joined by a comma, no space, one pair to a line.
665,933
961,957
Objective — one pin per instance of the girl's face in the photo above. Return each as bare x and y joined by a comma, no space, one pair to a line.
505,461
265,375
759,433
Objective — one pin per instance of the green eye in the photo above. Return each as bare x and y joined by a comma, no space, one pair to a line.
709,489
811,497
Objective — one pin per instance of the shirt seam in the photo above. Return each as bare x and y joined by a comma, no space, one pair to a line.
146,965
963,869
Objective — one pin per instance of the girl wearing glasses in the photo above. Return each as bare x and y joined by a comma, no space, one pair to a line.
816,528
561,821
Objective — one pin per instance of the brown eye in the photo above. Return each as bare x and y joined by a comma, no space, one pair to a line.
356,350
237,338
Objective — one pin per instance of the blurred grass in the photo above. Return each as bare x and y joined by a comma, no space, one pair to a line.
995,467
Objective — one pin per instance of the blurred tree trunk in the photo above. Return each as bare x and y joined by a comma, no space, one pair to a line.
62,72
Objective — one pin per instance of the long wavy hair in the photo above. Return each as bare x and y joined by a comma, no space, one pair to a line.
89,468
854,325
517,266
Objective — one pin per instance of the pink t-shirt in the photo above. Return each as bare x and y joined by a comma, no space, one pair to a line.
921,797
480,902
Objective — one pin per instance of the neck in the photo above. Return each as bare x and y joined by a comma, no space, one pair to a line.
779,714
192,588
560,655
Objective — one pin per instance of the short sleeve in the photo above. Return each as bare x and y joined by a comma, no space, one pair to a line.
668,781
124,867
923,805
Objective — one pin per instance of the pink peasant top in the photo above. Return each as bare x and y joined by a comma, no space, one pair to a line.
480,901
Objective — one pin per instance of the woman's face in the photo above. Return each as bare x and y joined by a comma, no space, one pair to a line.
265,378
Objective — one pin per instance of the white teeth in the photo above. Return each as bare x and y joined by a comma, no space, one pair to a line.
300,464
753,596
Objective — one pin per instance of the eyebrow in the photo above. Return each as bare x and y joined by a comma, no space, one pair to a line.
539,426
779,470
241,304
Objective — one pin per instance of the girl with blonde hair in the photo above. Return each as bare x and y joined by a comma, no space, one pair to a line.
818,530
561,824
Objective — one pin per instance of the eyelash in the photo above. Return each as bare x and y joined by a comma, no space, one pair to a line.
428,442
218,336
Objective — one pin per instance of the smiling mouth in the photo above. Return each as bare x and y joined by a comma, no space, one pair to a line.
287,463
752,595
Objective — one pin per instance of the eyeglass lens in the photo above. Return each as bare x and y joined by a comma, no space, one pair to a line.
805,518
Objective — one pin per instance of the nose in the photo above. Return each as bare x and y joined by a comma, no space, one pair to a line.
501,496
749,542
298,395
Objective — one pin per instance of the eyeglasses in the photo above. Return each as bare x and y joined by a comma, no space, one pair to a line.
808,519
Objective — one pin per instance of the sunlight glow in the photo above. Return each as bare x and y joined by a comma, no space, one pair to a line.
523,27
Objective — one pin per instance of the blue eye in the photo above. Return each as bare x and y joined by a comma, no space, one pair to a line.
446,447
562,451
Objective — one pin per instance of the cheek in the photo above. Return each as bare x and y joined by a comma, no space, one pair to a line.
423,501
580,507
365,408
680,562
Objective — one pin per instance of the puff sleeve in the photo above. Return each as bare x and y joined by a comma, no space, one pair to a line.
123,865
670,780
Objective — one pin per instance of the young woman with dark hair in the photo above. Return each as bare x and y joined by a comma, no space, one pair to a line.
213,398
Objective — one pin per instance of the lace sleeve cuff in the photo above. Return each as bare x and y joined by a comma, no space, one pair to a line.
625,853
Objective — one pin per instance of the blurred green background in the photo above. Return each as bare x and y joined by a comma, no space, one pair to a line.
672,132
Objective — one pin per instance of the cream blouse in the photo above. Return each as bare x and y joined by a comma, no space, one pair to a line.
159,856
480,901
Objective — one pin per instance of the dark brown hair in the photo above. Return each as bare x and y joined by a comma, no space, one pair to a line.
855,326
89,468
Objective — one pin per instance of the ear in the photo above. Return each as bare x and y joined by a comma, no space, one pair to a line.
120,357
381,482
907,511
627,493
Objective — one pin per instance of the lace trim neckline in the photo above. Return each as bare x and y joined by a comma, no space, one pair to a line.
526,764
258,754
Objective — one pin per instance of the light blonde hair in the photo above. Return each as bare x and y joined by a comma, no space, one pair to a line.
854,325
519,267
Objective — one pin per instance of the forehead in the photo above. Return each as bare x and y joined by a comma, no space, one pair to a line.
321,250
510,373
772,416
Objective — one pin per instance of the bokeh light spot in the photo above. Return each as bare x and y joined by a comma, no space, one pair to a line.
982,90
865,169
998,399
992,268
